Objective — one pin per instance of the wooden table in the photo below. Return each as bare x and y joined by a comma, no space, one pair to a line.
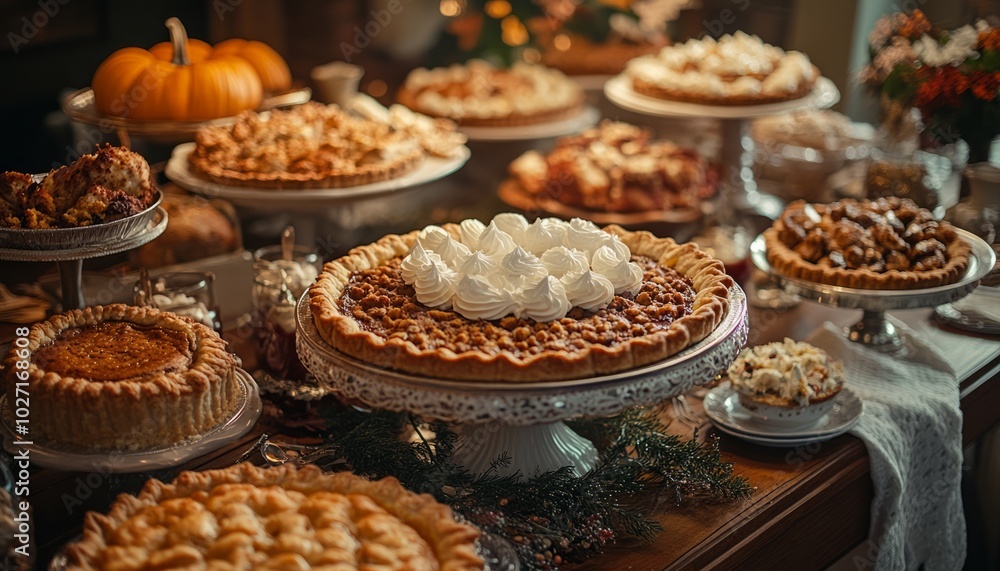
810,508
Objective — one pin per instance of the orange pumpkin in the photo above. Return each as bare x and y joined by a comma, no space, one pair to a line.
271,67
188,82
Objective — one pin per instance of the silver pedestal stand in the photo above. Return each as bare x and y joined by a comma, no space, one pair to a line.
873,329
523,420
87,242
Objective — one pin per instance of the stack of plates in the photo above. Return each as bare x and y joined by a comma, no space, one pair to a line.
722,406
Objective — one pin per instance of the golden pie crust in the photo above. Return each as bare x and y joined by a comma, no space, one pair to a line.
656,324
279,519
616,167
317,146
124,378
887,244
651,89
479,95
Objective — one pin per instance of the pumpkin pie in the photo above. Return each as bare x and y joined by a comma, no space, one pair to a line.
478,94
615,167
736,69
886,244
321,146
280,518
123,378
519,302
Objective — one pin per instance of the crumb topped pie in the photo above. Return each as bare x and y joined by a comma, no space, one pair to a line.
615,167
736,69
888,243
321,146
123,377
479,94
519,302
277,519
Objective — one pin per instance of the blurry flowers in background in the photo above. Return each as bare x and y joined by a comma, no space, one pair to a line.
505,31
952,77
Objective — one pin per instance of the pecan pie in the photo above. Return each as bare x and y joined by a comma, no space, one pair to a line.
478,94
107,185
321,146
280,518
123,377
615,167
888,243
733,70
475,302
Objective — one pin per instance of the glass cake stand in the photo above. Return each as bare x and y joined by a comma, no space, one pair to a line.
874,330
735,156
68,247
524,420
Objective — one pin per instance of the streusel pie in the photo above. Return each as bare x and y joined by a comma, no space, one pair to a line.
276,519
123,378
888,243
321,146
479,94
615,167
519,302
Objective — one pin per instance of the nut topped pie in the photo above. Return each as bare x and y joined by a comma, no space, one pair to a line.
277,519
519,302
321,146
122,377
478,94
888,243
615,167
734,70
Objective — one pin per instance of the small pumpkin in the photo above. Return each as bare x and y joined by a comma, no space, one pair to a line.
270,66
173,85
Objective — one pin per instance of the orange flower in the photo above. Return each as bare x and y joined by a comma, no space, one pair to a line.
915,26
985,85
990,39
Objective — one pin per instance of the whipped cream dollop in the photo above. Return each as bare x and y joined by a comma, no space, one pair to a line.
537,271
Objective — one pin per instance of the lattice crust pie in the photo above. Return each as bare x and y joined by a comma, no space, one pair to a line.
735,70
122,377
321,146
615,167
276,519
505,314
478,94
889,243
107,185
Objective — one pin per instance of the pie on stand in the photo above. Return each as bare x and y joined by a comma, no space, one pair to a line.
512,401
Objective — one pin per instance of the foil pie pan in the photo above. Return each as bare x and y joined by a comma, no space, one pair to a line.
83,236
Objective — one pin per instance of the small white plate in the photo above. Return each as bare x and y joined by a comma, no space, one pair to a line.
723,408
72,459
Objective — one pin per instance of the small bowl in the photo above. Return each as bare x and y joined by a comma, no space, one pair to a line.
787,416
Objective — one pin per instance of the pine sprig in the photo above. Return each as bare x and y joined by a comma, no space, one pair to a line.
552,517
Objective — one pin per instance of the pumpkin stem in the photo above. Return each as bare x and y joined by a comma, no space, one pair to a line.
179,39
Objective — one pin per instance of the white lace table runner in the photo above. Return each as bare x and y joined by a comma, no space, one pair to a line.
912,427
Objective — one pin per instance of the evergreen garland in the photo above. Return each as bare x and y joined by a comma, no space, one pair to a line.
550,518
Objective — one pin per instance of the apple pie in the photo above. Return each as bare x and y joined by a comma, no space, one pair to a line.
479,94
119,377
887,244
321,146
276,519
615,167
734,70
519,302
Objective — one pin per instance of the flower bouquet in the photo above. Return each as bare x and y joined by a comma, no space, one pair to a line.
952,77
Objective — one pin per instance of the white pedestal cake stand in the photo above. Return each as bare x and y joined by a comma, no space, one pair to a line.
874,330
523,420
735,154
68,247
